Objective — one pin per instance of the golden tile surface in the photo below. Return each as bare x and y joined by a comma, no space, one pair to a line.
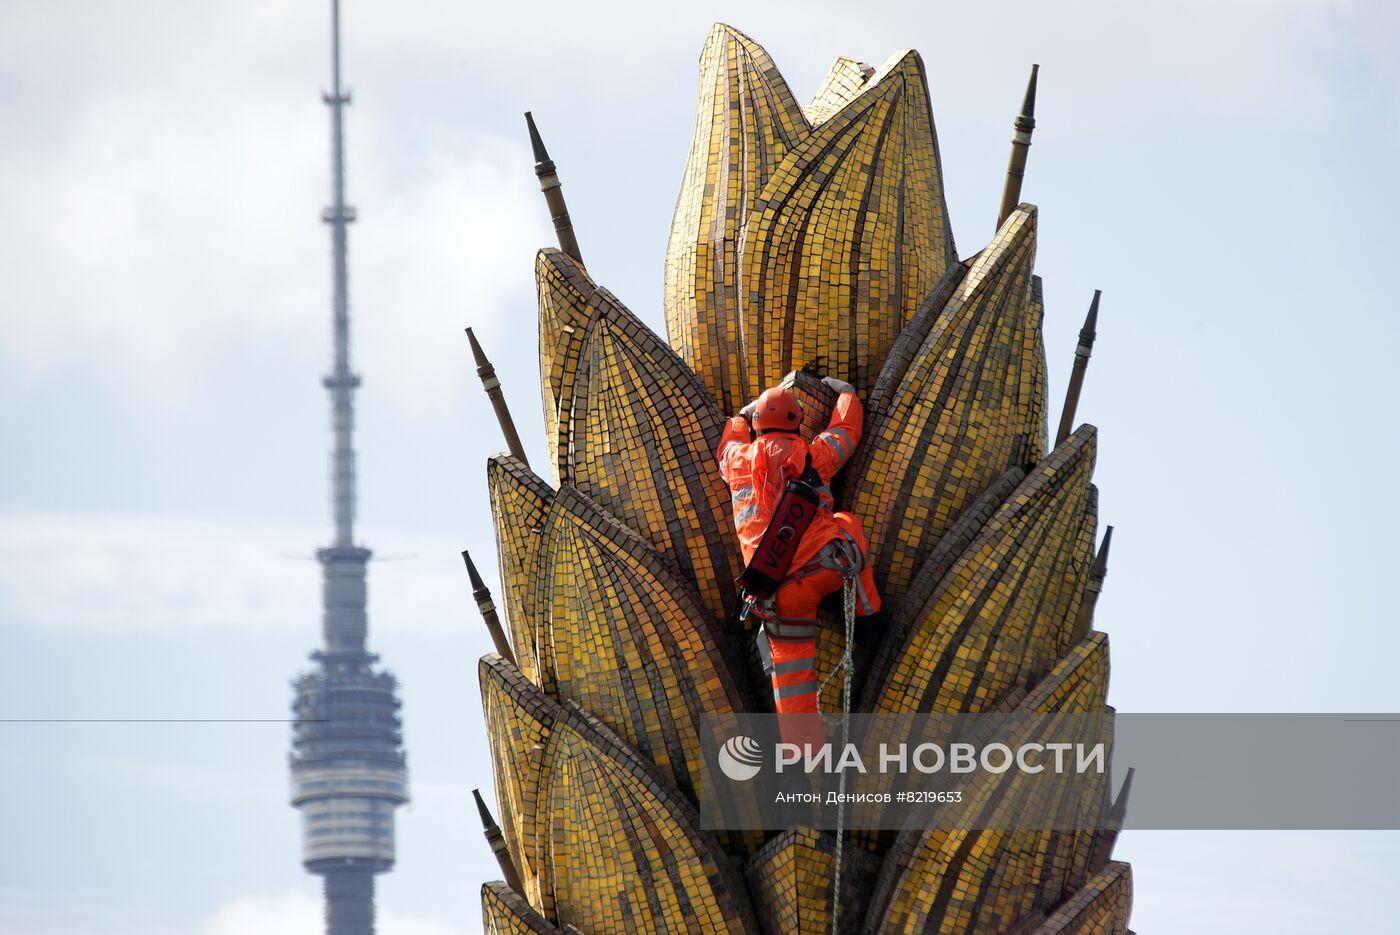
625,850
802,245
807,241
631,427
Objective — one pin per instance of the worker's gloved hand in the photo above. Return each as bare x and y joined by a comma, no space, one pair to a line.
747,414
840,386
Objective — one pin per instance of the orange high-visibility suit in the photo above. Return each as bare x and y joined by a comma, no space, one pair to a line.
757,468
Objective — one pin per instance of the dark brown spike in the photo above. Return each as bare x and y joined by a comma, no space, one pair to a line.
1100,569
488,610
487,372
553,193
1120,805
1081,364
497,840
1097,572
1020,147
1028,103
536,143
488,821
1106,837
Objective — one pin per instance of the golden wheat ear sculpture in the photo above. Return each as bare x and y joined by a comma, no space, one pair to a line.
807,241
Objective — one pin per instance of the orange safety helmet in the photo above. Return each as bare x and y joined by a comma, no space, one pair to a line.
777,408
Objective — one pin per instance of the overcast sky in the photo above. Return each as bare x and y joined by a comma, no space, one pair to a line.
1224,171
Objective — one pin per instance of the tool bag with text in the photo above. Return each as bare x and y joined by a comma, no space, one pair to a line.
794,514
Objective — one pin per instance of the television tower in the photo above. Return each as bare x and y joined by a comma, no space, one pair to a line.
347,760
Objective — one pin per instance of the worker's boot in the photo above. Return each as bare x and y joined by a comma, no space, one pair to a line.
870,633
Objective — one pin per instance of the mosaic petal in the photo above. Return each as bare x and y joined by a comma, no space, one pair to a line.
625,850
747,121
519,503
1000,615
627,638
632,427
953,422
847,237
988,879
505,912
791,880
519,720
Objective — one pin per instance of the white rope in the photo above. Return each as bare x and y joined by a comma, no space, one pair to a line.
847,666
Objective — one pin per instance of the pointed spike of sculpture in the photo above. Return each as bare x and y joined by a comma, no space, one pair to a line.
553,193
536,143
487,371
1120,804
1105,838
1097,572
1020,147
1028,103
488,610
1081,364
475,577
1101,560
497,840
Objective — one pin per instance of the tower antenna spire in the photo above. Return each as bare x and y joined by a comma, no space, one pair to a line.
346,790
341,382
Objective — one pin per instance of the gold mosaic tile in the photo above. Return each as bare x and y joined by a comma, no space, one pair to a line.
631,427
519,720
798,246
791,879
505,912
807,241
1101,907
624,847
627,638
988,880
1001,615
846,78
958,415
519,502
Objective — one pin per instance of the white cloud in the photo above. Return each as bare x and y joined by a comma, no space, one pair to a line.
162,193
298,912
452,244
161,206
150,573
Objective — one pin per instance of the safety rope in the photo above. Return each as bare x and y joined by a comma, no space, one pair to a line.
847,667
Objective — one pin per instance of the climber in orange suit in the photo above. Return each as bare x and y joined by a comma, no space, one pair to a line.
759,453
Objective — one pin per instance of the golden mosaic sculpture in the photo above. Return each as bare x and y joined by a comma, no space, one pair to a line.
807,241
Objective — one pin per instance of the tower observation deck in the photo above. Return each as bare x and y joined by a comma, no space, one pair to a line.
348,767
